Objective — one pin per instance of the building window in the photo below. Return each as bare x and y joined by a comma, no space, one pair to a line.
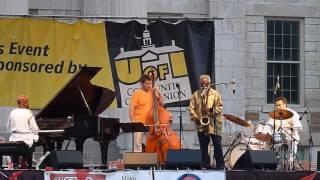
283,60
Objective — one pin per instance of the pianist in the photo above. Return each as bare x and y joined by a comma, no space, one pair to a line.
23,127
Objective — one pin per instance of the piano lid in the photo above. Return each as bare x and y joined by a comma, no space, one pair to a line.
78,97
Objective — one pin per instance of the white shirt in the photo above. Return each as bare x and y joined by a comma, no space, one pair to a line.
22,126
286,127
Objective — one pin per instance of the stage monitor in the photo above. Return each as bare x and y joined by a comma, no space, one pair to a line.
63,160
183,159
256,159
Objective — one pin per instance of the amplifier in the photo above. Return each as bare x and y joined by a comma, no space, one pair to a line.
133,160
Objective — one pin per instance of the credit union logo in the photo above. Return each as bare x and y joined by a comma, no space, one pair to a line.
168,61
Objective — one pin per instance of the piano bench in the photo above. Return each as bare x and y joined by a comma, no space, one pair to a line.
16,149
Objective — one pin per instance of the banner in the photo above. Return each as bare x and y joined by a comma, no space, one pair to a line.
38,56
74,175
179,53
136,175
95,175
131,175
188,175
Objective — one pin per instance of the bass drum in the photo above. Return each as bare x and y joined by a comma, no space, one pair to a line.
236,152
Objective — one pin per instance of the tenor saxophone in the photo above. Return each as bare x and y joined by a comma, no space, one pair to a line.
205,120
205,117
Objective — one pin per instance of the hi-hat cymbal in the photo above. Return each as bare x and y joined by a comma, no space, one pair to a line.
236,120
280,114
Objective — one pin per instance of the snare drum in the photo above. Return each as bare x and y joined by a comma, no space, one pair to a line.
255,144
263,132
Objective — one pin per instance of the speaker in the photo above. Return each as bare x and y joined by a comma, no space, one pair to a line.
133,160
257,160
183,159
63,160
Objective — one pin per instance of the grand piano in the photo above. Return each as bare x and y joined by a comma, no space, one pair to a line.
72,114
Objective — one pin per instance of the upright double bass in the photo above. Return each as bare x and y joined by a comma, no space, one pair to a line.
161,137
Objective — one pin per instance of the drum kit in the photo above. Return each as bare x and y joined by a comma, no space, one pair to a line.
263,138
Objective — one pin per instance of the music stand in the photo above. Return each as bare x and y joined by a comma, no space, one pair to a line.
133,127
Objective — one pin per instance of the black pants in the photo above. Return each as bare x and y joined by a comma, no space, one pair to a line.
26,157
204,141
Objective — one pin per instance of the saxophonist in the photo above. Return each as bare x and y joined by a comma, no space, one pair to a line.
205,111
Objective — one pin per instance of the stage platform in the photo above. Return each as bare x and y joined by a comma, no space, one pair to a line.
157,174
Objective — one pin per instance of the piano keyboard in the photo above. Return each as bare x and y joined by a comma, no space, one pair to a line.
51,131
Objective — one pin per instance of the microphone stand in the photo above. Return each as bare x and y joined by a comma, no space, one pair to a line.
275,92
310,141
180,115
231,145
291,152
214,120
274,119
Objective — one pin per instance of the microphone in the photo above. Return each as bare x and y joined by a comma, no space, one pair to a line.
234,85
305,112
178,86
179,90
308,110
277,88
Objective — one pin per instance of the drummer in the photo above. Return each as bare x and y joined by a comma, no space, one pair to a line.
287,121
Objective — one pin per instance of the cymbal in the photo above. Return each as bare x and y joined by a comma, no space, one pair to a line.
280,114
236,120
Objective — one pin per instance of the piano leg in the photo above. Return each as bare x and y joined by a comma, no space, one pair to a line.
59,144
47,144
49,147
50,144
79,144
55,145
104,151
